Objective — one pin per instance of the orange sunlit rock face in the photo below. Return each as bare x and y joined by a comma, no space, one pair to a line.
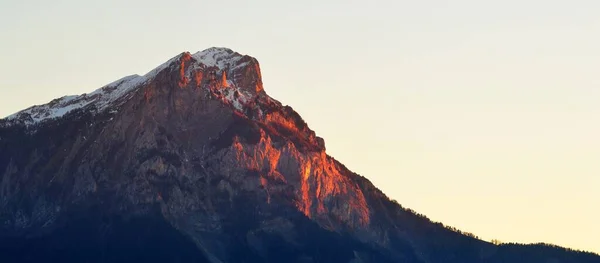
323,190
305,203
238,147
279,119
247,76
198,74
224,79
183,80
259,86
306,135
262,156
324,182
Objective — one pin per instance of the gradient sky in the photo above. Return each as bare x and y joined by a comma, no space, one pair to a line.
485,116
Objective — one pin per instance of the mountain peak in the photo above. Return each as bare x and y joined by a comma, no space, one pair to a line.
217,57
237,70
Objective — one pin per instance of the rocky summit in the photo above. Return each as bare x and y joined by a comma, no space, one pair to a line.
194,162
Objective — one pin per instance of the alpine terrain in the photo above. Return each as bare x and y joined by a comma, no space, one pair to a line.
194,162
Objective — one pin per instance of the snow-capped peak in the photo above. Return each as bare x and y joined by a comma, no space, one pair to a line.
217,57
120,90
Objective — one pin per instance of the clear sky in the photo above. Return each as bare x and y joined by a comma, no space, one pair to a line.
485,116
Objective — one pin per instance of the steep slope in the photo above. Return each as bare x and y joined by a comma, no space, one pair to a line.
195,162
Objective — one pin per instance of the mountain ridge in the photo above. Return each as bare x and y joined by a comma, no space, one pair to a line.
198,145
109,93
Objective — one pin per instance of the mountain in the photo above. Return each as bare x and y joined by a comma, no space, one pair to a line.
194,162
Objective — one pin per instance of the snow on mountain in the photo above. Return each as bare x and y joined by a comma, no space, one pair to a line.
218,57
117,91
100,99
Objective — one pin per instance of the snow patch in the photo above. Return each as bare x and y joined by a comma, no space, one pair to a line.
236,97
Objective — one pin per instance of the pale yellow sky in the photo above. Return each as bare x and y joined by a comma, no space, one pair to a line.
481,115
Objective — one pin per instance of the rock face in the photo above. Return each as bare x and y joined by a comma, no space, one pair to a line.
194,162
